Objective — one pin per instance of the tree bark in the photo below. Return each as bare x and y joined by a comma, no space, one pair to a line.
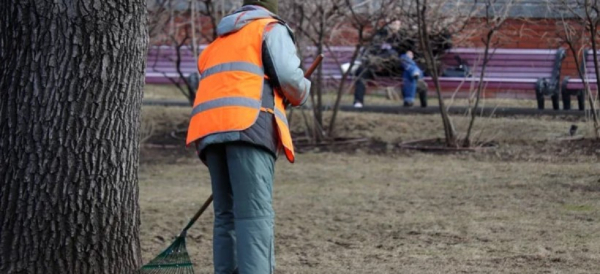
71,81
449,131
486,51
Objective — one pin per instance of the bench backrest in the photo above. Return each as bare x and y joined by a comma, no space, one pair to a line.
509,63
504,63
588,64
161,64
332,60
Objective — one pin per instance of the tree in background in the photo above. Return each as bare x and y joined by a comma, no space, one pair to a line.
496,13
314,23
322,25
578,29
183,25
454,17
433,16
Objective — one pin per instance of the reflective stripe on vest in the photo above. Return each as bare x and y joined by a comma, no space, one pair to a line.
281,115
229,96
233,66
227,101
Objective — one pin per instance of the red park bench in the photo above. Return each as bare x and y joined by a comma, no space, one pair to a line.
161,64
508,69
575,86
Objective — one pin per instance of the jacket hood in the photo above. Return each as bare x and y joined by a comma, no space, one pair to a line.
242,17
406,61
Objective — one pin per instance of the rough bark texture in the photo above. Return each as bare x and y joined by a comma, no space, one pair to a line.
71,81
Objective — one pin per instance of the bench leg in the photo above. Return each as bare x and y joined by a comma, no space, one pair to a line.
423,98
540,100
566,98
581,100
422,90
555,101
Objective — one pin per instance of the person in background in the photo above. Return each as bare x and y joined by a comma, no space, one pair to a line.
440,40
380,59
384,58
412,79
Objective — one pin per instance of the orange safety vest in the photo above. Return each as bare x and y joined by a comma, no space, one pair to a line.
229,95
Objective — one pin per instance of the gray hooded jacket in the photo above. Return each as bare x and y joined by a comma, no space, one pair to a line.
281,64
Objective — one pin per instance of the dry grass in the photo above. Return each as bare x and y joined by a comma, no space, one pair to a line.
398,128
530,206
375,97
167,92
409,127
411,214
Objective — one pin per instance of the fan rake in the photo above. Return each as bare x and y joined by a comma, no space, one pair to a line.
175,259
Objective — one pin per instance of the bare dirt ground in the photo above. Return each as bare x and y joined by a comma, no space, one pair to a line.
531,205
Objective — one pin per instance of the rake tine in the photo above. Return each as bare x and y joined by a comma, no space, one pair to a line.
175,258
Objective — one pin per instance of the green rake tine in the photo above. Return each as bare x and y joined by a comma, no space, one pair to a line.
175,258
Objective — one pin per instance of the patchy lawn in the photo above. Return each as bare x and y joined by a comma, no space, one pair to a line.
373,97
531,205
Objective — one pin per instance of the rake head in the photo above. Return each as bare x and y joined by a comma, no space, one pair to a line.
173,260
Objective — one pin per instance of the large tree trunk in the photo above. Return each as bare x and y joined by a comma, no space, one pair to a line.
71,81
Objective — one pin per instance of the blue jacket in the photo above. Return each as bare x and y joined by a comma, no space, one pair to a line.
411,69
282,65
411,73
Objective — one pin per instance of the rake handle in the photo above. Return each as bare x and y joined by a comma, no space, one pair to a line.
197,215
314,66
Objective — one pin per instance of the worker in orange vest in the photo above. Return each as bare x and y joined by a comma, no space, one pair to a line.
239,126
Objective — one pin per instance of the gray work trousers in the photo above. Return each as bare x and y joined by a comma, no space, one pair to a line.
242,184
